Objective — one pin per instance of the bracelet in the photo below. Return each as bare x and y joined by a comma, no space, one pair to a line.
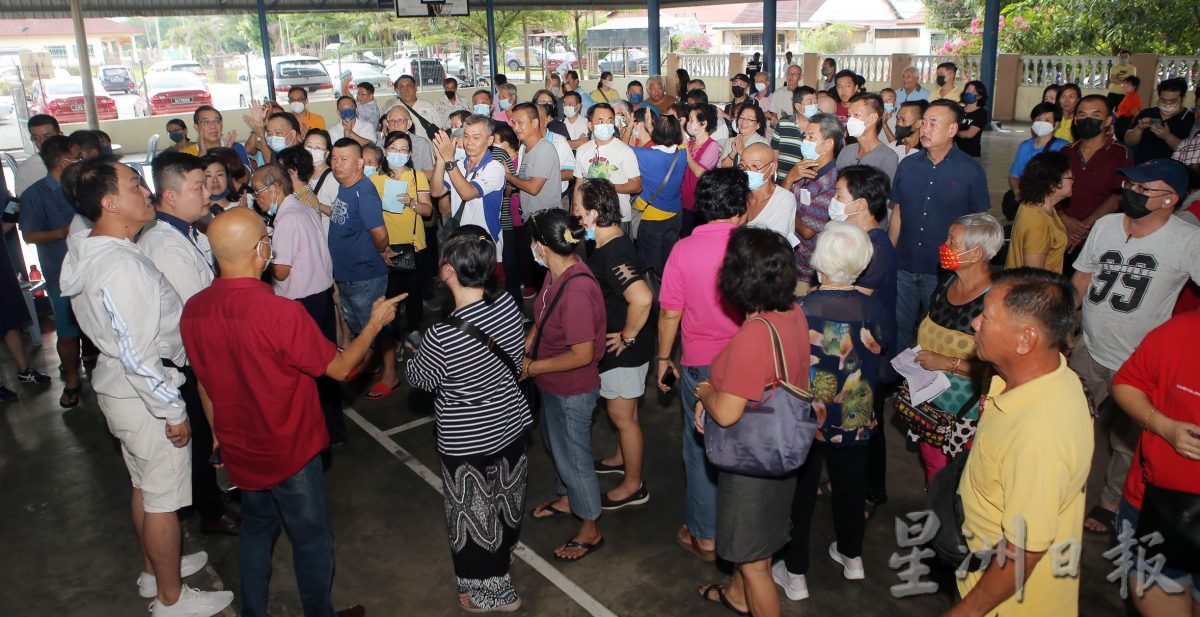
696,390
663,359
954,367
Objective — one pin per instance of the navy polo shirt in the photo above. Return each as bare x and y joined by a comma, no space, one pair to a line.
930,198
45,207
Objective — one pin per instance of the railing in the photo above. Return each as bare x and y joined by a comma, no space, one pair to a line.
1187,67
705,65
1084,71
968,67
870,67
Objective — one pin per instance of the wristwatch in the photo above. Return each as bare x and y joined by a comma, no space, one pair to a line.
628,342
449,166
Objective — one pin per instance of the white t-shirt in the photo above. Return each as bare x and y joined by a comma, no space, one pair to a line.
1135,282
615,161
326,196
781,102
779,215
578,128
488,179
363,129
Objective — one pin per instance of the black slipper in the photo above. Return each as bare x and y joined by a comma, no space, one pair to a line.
587,549
704,593
70,396
1103,516
547,507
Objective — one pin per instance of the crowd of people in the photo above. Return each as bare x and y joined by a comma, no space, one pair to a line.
817,249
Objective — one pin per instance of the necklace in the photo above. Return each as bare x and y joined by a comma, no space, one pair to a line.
836,287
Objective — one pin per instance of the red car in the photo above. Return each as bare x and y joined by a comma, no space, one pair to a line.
63,99
175,92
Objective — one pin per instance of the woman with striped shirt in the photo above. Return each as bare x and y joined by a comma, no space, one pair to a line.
482,418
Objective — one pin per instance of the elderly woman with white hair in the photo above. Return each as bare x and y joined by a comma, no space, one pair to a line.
844,331
944,425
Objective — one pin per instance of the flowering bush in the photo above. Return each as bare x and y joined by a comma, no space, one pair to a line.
696,44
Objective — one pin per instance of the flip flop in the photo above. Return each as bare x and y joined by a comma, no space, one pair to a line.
70,397
547,506
587,549
705,593
380,390
1103,516
692,545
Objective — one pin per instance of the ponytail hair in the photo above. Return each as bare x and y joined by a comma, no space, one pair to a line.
472,253
557,230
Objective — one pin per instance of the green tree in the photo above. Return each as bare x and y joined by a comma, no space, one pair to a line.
828,39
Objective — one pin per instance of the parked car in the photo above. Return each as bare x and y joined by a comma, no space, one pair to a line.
359,72
6,111
427,71
304,71
176,92
516,60
167,66
552,61
117,78
63,99
639,62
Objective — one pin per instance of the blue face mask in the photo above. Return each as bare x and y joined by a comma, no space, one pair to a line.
459,154
589,233
970,97
276,143
505,104
369,170
756,179
808,150
482,109
176,137
604,132
348,113
536,259
219,197
397,159
636,98
811,110
273,209
889,107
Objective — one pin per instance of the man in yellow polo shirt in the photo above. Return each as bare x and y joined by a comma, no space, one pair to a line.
298,105
1024,479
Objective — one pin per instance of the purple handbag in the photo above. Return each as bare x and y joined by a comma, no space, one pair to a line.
773,436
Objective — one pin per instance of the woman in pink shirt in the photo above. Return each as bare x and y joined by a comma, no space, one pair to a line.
702,154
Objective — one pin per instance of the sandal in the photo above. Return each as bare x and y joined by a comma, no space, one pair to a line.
706,593
587,549
70,397
547,506
380,390
692,545
470,607
1101,515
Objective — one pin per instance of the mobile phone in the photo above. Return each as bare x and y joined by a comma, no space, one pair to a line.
216,456
1156,121
12,206
668,379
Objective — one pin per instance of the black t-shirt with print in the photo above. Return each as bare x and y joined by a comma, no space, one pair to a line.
616,266
972,146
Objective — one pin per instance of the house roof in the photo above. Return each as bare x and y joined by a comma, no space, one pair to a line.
63,27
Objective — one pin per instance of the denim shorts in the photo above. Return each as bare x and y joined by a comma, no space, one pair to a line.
65,325
1127,514
357,297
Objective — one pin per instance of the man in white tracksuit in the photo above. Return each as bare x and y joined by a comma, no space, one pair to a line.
126,306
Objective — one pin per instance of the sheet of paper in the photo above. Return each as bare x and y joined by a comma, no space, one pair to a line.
923,384
392,190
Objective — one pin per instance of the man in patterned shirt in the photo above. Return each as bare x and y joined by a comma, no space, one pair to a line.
813,181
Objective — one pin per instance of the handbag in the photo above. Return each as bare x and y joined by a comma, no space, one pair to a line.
1176,516
405,258
774,435
527,386
640,204
927,421
943,500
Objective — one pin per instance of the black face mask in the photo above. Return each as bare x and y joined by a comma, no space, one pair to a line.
738,91
1133,204
941,80
903,132
551,110
1086,128
450,94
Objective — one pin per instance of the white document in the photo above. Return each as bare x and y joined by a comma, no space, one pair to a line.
923,384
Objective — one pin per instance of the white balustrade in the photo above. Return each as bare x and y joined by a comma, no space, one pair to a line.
705,65
1187,67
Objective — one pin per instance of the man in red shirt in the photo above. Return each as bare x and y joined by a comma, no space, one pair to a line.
1095,158
1159,387
258,356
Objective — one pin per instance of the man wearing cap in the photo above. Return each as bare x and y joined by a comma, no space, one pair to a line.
1128,275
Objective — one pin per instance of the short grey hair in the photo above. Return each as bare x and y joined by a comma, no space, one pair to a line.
509,89
274,173
488,125
619,105
983,230
843,251
654,78
831,128
910,69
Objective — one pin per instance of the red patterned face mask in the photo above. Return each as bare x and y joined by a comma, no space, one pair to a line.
950,260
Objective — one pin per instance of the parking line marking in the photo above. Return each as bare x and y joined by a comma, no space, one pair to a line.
408,425
523,552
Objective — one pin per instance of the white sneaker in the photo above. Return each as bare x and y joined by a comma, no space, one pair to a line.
793,585
193,603
188,565
852,569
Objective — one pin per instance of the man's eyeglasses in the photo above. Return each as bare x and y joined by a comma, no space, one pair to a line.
209,122
1138,187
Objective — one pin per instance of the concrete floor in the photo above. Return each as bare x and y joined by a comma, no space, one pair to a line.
69,549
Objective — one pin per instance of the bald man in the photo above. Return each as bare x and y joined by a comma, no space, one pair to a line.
767,206
259,355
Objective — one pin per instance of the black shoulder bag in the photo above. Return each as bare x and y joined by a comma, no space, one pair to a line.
431,129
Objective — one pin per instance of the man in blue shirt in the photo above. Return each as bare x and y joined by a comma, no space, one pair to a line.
910,88
572,85
931,190
357,236
45,222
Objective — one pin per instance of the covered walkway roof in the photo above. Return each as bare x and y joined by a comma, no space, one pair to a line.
15,9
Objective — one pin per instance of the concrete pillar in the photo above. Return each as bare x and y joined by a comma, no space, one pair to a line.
899,63
85,66
737,64
1008,83
1147,70
670,79
812,70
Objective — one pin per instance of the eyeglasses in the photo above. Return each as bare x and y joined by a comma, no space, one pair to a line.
747,119
209,122
1138,187
1065,178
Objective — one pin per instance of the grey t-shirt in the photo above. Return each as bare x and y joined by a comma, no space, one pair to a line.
880,157
1135,282
541,161
422,152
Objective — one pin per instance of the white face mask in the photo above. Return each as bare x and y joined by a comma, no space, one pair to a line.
855,127
837,210
296,107
1042,128
608,84
318,156
761,87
